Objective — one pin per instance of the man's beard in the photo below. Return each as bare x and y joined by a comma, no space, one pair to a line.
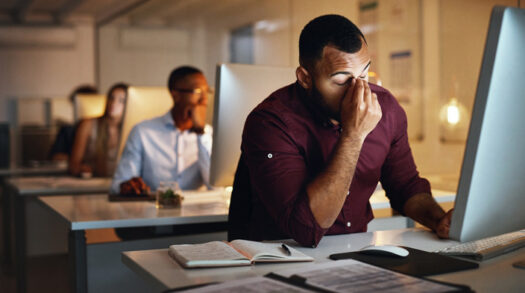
315,96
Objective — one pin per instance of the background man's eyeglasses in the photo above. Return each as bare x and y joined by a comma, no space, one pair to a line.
196,91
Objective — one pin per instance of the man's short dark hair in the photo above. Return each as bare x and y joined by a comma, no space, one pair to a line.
180,73
82,89
331,29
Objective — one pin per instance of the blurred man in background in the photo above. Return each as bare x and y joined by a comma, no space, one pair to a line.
173,147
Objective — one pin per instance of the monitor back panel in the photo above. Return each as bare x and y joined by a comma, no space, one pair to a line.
491,191
89,106
143,103
239,89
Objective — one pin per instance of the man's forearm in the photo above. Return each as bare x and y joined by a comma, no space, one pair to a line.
328,191
424,209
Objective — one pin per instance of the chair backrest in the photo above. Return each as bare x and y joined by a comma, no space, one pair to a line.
5,143
88,106
240,212
143,103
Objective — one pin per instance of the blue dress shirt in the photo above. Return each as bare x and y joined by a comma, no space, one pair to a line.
157,151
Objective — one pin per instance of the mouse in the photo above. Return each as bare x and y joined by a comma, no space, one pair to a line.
384,250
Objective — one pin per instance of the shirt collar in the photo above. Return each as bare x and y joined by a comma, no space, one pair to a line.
167,119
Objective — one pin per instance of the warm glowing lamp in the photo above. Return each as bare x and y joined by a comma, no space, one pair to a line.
373,77
454,119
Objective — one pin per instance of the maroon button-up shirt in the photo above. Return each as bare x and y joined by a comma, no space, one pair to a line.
287,141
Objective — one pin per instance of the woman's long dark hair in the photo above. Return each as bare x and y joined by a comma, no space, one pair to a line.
101,142
116,86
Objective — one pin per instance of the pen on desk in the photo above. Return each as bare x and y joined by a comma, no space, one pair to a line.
286,249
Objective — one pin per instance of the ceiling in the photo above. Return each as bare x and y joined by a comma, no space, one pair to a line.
104,11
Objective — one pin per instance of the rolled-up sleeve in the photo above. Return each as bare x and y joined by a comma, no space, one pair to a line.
399,175
279,176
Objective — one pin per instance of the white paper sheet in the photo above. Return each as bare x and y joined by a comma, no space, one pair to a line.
353,276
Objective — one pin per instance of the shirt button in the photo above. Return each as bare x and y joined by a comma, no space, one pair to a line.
270,156
348,224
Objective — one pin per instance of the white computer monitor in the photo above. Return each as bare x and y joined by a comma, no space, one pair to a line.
238,90
143,103
491,192
88,106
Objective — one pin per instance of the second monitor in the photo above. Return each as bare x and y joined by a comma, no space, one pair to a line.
238,90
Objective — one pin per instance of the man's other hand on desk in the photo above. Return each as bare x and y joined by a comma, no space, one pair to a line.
424,209
135,186
443,226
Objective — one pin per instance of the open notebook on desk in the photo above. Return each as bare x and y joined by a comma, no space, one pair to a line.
235,253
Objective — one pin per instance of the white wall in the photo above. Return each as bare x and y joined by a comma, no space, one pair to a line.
304,11
452,52
141,56
442,41
277,26
204,42
461,49
461,42
45,61
431,155
447,47
271,34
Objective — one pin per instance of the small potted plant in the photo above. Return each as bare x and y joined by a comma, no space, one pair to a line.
169,195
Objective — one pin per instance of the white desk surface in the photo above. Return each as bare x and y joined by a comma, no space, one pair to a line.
380,201
33,171
84,212
494,275
54,185
443,181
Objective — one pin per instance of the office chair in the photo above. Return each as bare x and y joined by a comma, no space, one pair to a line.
240,211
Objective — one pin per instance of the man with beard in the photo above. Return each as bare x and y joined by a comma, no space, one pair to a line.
313,152
173,147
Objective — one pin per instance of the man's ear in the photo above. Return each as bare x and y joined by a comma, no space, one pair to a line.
303,77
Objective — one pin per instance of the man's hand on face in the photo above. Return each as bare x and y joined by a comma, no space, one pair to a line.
443,226
198,118
360,110
190,113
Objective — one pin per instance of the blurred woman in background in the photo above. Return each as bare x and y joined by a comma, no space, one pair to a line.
96,140
61,149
